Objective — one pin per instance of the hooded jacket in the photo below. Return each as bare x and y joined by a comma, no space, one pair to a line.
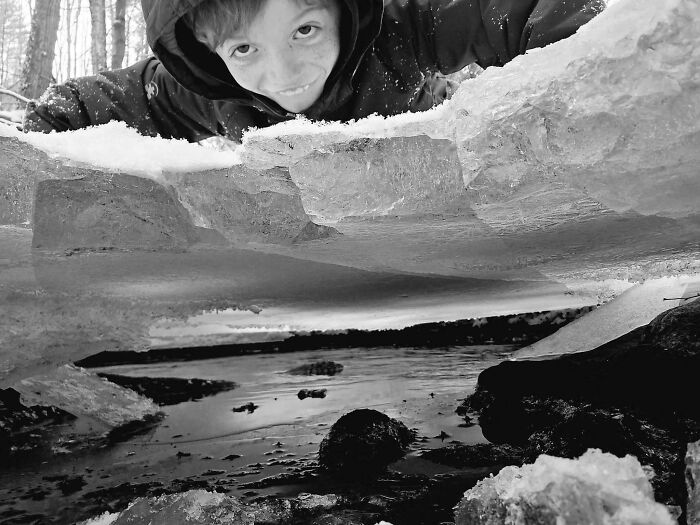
392,55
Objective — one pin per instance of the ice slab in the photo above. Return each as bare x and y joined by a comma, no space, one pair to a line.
573,165
608,116
595,488
635,307
83,393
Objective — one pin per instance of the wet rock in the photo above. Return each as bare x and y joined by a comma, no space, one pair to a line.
363,442
200,507
633,395
596,488
315,393
71,484
341,518
248,407
132,428
102,210
692,478
665,354
171,390
313,502
319,368
20,425
478,455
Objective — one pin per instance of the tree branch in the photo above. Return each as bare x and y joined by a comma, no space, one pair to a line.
19,97
6,122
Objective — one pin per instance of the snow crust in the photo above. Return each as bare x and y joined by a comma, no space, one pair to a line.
114,147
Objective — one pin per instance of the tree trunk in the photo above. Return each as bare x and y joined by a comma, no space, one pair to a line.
119,34
99,35
36,72
69,38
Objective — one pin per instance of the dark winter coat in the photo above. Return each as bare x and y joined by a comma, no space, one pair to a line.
390,57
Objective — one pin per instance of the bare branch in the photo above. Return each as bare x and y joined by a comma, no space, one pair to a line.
19,97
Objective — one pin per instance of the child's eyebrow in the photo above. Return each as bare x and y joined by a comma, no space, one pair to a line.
308,10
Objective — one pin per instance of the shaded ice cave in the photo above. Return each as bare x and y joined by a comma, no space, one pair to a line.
567,178
569,174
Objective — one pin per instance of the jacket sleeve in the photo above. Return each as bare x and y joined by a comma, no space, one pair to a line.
144,96
456,33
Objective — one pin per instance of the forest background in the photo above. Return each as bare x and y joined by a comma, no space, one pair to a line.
50,41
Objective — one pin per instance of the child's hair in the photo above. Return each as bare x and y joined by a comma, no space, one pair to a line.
214,21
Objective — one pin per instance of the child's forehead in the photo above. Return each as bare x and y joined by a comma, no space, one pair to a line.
295,7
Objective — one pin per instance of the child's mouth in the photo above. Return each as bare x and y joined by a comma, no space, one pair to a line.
294,91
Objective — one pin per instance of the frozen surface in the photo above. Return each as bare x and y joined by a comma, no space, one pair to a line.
573,168
595,488
83,393
635,307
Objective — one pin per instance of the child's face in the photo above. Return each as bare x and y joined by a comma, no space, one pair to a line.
287,51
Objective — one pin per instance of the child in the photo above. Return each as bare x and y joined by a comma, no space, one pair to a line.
226,65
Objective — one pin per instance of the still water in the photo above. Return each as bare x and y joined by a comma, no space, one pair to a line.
420,387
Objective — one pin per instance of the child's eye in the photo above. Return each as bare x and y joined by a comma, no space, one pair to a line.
242,51
306,31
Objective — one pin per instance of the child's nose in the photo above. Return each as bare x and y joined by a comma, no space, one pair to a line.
284,67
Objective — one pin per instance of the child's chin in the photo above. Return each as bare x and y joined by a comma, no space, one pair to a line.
296,107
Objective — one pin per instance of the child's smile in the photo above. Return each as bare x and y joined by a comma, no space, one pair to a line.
287,51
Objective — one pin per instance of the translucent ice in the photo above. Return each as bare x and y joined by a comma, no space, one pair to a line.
83,393
597,488
610,116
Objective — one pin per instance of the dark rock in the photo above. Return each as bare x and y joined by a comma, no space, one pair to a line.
341,518
319,368
231,457
692,479
248,407
647,370
363,442
134,428
71,484
317,393
21,426
104,210
478,455
635,395
442,435
171,390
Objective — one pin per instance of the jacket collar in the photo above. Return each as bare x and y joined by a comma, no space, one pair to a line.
197,69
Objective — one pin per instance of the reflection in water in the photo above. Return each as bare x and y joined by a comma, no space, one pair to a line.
421,387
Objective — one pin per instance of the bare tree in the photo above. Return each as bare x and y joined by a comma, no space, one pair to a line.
99,35
38,63
69,36
118,34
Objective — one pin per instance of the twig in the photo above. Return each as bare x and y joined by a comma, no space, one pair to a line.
19,97
682,298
